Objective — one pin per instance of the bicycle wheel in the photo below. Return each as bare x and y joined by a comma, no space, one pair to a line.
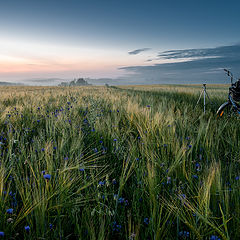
226,110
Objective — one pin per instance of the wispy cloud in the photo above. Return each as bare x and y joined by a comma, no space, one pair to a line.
199,65
137,51
222,52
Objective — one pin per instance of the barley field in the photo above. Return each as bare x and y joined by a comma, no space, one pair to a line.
128,162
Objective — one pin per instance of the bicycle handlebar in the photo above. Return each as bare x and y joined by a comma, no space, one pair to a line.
229,74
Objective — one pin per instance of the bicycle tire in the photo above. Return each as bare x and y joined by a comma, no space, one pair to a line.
226,110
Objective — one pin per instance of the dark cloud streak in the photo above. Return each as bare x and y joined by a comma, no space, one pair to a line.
137,51
200,65
224,51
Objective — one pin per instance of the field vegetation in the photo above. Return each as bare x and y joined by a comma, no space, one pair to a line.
135,162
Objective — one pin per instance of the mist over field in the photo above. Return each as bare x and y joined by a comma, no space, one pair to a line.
190,66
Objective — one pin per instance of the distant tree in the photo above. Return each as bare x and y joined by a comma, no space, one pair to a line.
81,82
76,82
72,83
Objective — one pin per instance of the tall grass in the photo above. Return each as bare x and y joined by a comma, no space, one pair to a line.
117,163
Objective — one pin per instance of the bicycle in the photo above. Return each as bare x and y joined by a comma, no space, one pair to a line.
231,107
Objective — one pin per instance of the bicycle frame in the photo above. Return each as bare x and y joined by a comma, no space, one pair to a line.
233,103
236,107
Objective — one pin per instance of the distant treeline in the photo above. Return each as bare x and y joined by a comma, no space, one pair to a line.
10,84
75,82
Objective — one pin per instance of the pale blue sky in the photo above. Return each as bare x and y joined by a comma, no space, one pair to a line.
67,39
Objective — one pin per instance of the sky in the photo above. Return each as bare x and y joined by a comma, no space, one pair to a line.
127,42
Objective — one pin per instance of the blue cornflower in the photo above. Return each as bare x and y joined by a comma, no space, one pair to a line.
237,178
184,234
146,221
116,227
11,177
148,106
114,181
81,169
47,176
54,148
1,234
10,211
101,183
195,176
182,196
12,194
27,228
198,167
114,139
43,172
50,226
42,149
213,237
121,200
168,180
